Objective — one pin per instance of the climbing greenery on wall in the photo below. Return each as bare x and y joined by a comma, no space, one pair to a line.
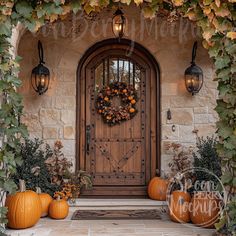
217,21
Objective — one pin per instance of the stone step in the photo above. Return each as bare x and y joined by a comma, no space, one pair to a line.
119,204
89,203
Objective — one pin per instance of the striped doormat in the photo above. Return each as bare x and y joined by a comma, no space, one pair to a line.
116,214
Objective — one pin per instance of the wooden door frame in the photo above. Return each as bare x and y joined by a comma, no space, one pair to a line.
86,58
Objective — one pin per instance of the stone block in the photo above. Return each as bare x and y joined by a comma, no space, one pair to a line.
33,104
63,75
65,89
32,122
68,117
213,118
182,116
165,102
170,89
49,116
206,129
69,132
200,110
50,132
65,102
188,101
69,147
201,118
169,134
186,134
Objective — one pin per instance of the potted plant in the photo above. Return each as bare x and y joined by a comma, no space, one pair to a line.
206,200
179,196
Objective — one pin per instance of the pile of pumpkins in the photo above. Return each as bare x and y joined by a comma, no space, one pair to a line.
202,209
26,207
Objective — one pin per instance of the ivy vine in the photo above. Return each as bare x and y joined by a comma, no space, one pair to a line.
217,21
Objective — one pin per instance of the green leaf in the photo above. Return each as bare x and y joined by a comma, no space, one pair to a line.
221,223
234,182
225,131
5,28
24,9
226,178
231,49
2,173
75,5
51,8
10,186
222,62
214,51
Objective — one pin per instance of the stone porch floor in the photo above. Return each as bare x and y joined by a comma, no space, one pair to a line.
67,227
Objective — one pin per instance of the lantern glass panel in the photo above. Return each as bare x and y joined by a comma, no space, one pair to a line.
118,25
40,81
193,82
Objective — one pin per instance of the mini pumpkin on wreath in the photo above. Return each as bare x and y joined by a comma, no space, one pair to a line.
111,114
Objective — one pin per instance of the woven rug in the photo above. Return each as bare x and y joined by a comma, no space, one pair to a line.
116,214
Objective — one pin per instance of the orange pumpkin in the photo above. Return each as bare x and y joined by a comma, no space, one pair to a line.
205,209
24,208
58,209
179,206
133,101
45,199
157,188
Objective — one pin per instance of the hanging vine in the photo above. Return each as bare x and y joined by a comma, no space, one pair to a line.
217,21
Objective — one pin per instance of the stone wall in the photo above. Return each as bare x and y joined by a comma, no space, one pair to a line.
52,116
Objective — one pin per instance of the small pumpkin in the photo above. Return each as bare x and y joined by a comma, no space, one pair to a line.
24,208
157,188
133,101
205,209
58,209
45,199
179,206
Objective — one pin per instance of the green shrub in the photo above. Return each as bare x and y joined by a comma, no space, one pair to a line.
33,169
206,157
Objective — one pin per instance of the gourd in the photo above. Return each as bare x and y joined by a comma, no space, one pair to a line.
45,199
58,209
179,206
205,209
157,188
24,208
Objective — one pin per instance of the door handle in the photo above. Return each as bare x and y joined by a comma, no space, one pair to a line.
88,138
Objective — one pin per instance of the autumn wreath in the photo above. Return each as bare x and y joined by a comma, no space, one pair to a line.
112,114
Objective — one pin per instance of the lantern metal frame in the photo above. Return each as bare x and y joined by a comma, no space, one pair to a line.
119,13
195,72
41,71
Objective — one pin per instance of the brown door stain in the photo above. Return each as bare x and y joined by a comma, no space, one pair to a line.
120,158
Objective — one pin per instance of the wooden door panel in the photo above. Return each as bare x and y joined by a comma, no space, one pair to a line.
119,158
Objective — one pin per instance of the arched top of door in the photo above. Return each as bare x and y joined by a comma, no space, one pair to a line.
124,49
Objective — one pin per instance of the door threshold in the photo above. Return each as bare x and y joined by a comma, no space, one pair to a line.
106,202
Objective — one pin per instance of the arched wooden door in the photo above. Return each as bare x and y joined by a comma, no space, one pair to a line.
121,158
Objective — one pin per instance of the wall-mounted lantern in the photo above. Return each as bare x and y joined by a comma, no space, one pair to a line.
40,76
118,24
193,75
